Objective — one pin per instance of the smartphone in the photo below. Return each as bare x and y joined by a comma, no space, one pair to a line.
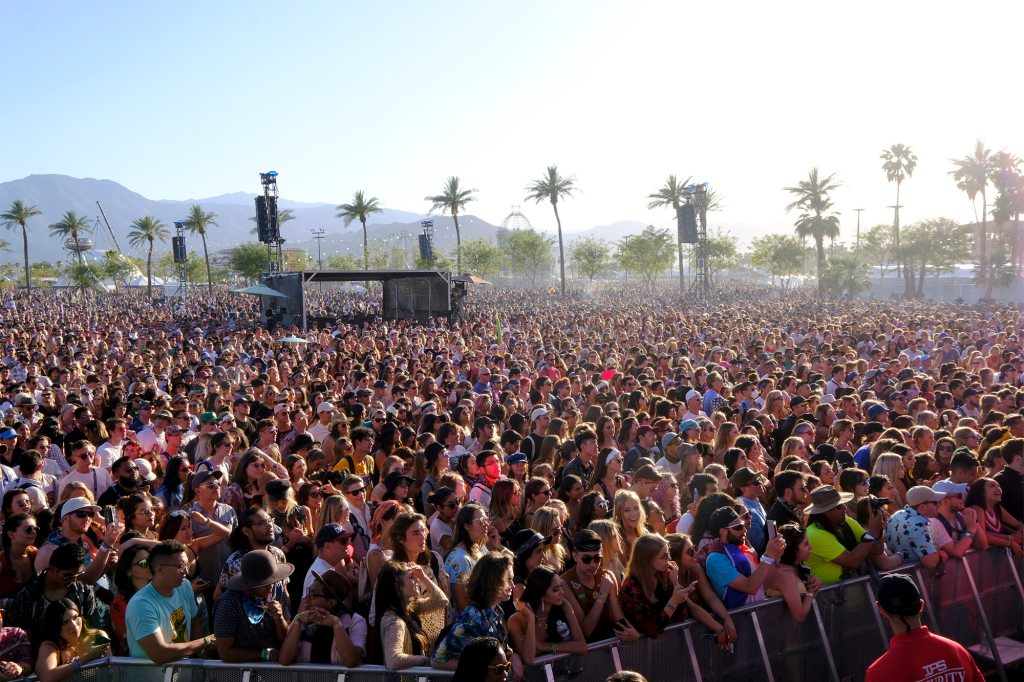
110,515
692,585
770,527
696,497
101,639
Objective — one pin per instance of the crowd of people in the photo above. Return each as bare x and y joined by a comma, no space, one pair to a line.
546,474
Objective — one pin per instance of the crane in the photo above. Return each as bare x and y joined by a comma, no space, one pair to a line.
109,228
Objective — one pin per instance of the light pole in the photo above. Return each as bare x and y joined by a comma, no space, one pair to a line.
858,210
318,235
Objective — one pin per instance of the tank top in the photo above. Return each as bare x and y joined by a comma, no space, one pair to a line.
993,524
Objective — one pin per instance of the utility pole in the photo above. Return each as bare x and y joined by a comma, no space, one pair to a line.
318,235
896,232
858,210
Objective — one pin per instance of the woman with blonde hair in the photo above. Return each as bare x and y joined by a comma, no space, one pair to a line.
824,417
891,465
504,507
776,405
796,447
628,513
725,438
334,509
842,434
611,546
548,521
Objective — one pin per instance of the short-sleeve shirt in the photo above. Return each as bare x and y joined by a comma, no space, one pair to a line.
438,530
459,564
721,572
472,623
232,621
150,612
825,547
907,533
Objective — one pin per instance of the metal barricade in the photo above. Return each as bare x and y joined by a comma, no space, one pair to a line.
975,602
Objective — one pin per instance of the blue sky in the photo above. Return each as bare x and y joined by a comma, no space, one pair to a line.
192,99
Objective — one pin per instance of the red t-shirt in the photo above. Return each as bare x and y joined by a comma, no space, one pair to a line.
920,656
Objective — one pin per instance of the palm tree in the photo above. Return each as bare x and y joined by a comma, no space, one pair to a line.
972,174
1009,202
900,163
148,230
283,216
17,214
552,188
846,274
361,208
816,221
671,194
71,225
453,198
198,222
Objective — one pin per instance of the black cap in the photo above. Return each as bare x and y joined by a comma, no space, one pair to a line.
898,595
303,440
278,489
587,540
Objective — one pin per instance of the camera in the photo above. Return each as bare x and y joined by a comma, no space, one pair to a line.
878,503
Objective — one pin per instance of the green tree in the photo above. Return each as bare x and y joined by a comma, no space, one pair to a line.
440,261
876,247
899,164
71,225
722,252
18,215
386,256
360,209
590,256
116,267
817,219
249,260
146,231
528,251
482,258
553,187
453,199
199,222
283,216
338,261
846,275
940,244
81,276
194,270
1000,271
972,174
647,254
1009,202
782,255
671,194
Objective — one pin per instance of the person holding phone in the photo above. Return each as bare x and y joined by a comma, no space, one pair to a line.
793,580
67,642
652,597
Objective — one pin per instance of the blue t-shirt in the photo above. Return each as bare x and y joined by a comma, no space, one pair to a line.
148,613
721,572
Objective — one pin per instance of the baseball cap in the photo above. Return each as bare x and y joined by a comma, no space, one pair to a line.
644,430
687,425
947,487
325,406
331,532
667,439
873,427
539,412
898,595
278,489
725,516
970,393
587,540
744,477
920,494
207,417
201,477
691,394
76,504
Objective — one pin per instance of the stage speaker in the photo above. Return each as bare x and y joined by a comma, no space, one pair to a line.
266,220
426,248
686,217
178,247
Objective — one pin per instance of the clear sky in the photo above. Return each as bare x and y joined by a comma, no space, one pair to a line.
179,100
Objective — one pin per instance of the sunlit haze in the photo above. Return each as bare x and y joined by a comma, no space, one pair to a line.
187,100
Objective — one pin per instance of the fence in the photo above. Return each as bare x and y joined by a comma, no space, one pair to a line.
978,602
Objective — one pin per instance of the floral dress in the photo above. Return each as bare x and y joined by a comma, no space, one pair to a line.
473,622
458,565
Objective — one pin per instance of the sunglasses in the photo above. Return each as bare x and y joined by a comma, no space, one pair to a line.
591,558
451,505
83,514
143,563
735,526
356,492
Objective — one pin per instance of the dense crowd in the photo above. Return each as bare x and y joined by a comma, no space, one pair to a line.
548,473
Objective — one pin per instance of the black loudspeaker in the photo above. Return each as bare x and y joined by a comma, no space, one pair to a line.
686,217
426,248
266,220
178,246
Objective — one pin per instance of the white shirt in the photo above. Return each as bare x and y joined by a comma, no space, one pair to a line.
319,432
96,480
438,530
319,566
109,453
666,465
694,417
150,441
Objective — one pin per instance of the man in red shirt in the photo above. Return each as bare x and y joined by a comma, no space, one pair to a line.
916,655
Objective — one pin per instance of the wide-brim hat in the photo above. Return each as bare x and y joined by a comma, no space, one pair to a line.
337,585
825,498
259,568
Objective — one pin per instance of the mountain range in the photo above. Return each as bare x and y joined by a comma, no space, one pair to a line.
54,194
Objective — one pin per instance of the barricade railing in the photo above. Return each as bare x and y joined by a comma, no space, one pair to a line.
978,602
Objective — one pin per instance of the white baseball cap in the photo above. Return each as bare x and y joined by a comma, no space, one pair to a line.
76,504
692,394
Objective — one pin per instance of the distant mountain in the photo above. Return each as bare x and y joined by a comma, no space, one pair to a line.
55,194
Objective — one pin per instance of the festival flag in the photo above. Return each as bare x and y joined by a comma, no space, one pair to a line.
497,322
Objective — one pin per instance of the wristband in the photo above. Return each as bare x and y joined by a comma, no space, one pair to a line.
969,534
671,609
265,655
206,641
554,648
104,547
770,561
78,663
719,633
602,595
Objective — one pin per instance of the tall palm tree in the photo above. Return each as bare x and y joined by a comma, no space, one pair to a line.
71,225
816,220
18,214
147,230
198,222
1009,202
283,216
847,275
553,187
361,208
671,194
972,174
453,198
900,162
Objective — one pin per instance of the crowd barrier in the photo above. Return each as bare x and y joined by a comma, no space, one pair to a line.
978,602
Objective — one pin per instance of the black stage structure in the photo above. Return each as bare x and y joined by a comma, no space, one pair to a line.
408,294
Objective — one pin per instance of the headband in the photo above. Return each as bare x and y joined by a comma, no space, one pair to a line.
611,455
